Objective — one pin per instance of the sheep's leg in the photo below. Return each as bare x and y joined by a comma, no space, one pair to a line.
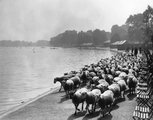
123,94
94,107
82,105
114,103
66,93
87,108
133,90
110,109
101,113
130,91
60,88
76,108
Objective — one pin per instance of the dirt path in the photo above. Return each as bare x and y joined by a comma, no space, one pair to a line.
56,107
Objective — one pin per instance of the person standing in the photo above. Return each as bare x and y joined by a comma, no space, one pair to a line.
135,52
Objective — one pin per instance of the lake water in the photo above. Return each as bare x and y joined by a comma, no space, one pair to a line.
28,72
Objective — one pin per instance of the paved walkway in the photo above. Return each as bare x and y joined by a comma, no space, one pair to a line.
55,106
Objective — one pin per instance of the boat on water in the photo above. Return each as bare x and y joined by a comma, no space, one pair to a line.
53,48
33,49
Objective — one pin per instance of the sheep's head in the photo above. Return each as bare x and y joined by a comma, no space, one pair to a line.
55,80
71,94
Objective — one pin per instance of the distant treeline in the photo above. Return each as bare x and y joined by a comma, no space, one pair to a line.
72,38
17,43
138,28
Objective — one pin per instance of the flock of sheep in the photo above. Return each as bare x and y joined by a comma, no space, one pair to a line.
101,84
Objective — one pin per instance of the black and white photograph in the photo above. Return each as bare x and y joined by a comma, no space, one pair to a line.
76,59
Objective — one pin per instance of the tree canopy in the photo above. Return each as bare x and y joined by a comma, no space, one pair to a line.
72,38
120,32
148,21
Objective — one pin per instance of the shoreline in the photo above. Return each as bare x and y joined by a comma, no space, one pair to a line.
13,109
31,100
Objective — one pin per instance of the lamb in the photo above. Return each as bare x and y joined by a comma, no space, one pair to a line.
106,99
79,97
92,99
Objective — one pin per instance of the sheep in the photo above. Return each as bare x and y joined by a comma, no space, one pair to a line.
61,80
79,97
110,78
76,80
122,85
106,99
132,83
84,76
117,73
102,87
116,79
104,82
92,99
115,88
92,74
123,75
68,86
94,80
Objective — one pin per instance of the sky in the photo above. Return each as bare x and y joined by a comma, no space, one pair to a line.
32,20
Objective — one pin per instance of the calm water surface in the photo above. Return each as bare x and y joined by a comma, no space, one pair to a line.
28,72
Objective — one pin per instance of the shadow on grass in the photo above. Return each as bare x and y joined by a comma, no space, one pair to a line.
79,114
92,115
63,98
131,96
114,107
120,100
106,117
58,92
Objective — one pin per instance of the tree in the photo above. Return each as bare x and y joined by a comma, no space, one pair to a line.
148,21
115,38
122,31
99,37
136,26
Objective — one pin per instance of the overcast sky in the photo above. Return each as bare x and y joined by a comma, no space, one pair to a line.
33,20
